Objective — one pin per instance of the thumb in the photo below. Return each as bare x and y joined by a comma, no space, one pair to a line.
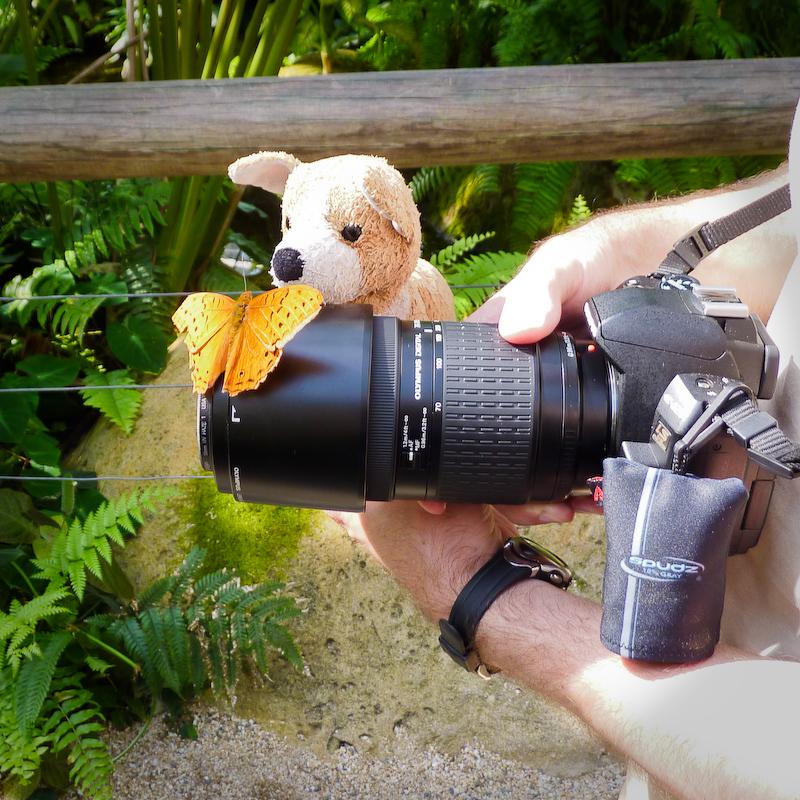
534,300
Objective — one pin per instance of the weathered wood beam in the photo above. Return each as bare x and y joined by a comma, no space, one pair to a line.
467,116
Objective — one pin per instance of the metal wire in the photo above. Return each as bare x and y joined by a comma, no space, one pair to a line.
145,295
22,389
116,296
94,479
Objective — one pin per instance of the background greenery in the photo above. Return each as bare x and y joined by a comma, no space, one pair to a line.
72,637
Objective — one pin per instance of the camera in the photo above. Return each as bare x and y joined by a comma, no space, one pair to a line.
364,407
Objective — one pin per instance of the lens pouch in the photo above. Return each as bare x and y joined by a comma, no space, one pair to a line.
667,546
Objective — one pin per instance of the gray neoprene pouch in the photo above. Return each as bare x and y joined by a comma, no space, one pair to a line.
667,546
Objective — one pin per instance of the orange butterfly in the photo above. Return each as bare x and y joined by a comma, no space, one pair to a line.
242,338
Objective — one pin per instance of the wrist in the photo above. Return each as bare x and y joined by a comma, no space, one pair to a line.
543,638
519,560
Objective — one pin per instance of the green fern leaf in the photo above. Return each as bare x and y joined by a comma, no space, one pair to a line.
280,638
153,626
458,249
579,212
98,664
74,726
77,578
34,678
121,406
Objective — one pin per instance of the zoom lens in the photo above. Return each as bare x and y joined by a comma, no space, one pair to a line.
375,408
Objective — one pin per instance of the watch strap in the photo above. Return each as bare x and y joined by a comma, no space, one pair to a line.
519,559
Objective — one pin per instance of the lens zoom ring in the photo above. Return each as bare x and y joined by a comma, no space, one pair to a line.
383,391
488,416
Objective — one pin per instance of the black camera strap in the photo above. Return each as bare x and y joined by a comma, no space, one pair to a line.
759,434
687,253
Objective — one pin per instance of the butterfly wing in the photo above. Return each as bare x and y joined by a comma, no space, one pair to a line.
270,321
205,321
278,315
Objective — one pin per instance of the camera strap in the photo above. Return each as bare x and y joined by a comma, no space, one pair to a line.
759,434
687,253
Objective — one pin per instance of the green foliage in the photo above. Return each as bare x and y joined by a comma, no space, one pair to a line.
73,724
191,629
121,406
65,641
579,212
448,256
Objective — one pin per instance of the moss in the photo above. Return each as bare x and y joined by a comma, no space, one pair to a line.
257,541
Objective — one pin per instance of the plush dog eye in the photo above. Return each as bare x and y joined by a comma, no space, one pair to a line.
351,232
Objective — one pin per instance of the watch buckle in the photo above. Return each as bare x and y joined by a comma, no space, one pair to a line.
543,563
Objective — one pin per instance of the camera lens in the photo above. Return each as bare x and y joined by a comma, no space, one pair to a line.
375,408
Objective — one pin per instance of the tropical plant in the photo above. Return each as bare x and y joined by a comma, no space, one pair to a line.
71,630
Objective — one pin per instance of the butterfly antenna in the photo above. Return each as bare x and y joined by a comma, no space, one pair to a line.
244,274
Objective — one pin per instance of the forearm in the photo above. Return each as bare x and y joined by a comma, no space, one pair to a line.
720,728
636,239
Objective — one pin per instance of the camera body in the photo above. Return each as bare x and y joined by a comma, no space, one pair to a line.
375,408
678,349
653,328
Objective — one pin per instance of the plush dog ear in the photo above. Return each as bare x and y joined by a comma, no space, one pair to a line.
267,170
389,196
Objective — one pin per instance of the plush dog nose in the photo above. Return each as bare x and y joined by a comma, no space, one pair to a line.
287,264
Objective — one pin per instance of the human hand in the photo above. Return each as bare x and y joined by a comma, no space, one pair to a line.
432,556
550,290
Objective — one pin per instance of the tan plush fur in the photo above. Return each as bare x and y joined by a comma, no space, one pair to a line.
320,200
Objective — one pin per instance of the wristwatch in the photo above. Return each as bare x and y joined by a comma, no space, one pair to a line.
519,559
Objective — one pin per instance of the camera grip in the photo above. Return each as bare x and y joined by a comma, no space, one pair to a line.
667,540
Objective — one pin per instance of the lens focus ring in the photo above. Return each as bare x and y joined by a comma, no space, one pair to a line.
487,424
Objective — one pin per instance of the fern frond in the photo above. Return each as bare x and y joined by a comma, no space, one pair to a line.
50,279
20,752
34,678
579,212
430,180
120,406
152,621
449,255
74,724
18,626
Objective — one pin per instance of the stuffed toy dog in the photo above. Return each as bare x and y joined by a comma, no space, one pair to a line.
350,229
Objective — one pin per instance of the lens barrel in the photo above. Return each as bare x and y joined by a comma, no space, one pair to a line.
375,408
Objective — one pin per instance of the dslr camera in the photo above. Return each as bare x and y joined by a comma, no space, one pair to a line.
364,407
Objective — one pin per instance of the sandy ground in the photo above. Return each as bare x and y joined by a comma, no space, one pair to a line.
236,758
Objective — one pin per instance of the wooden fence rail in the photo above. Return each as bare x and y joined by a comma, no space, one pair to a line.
581,112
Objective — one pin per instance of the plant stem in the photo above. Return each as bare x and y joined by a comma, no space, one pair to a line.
280,45
210,65
154,39
67,497
19,569
229,43
187,38
133,742
107,647
277,14
48,12
257,21
33,78
204,39
169,27
26,37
